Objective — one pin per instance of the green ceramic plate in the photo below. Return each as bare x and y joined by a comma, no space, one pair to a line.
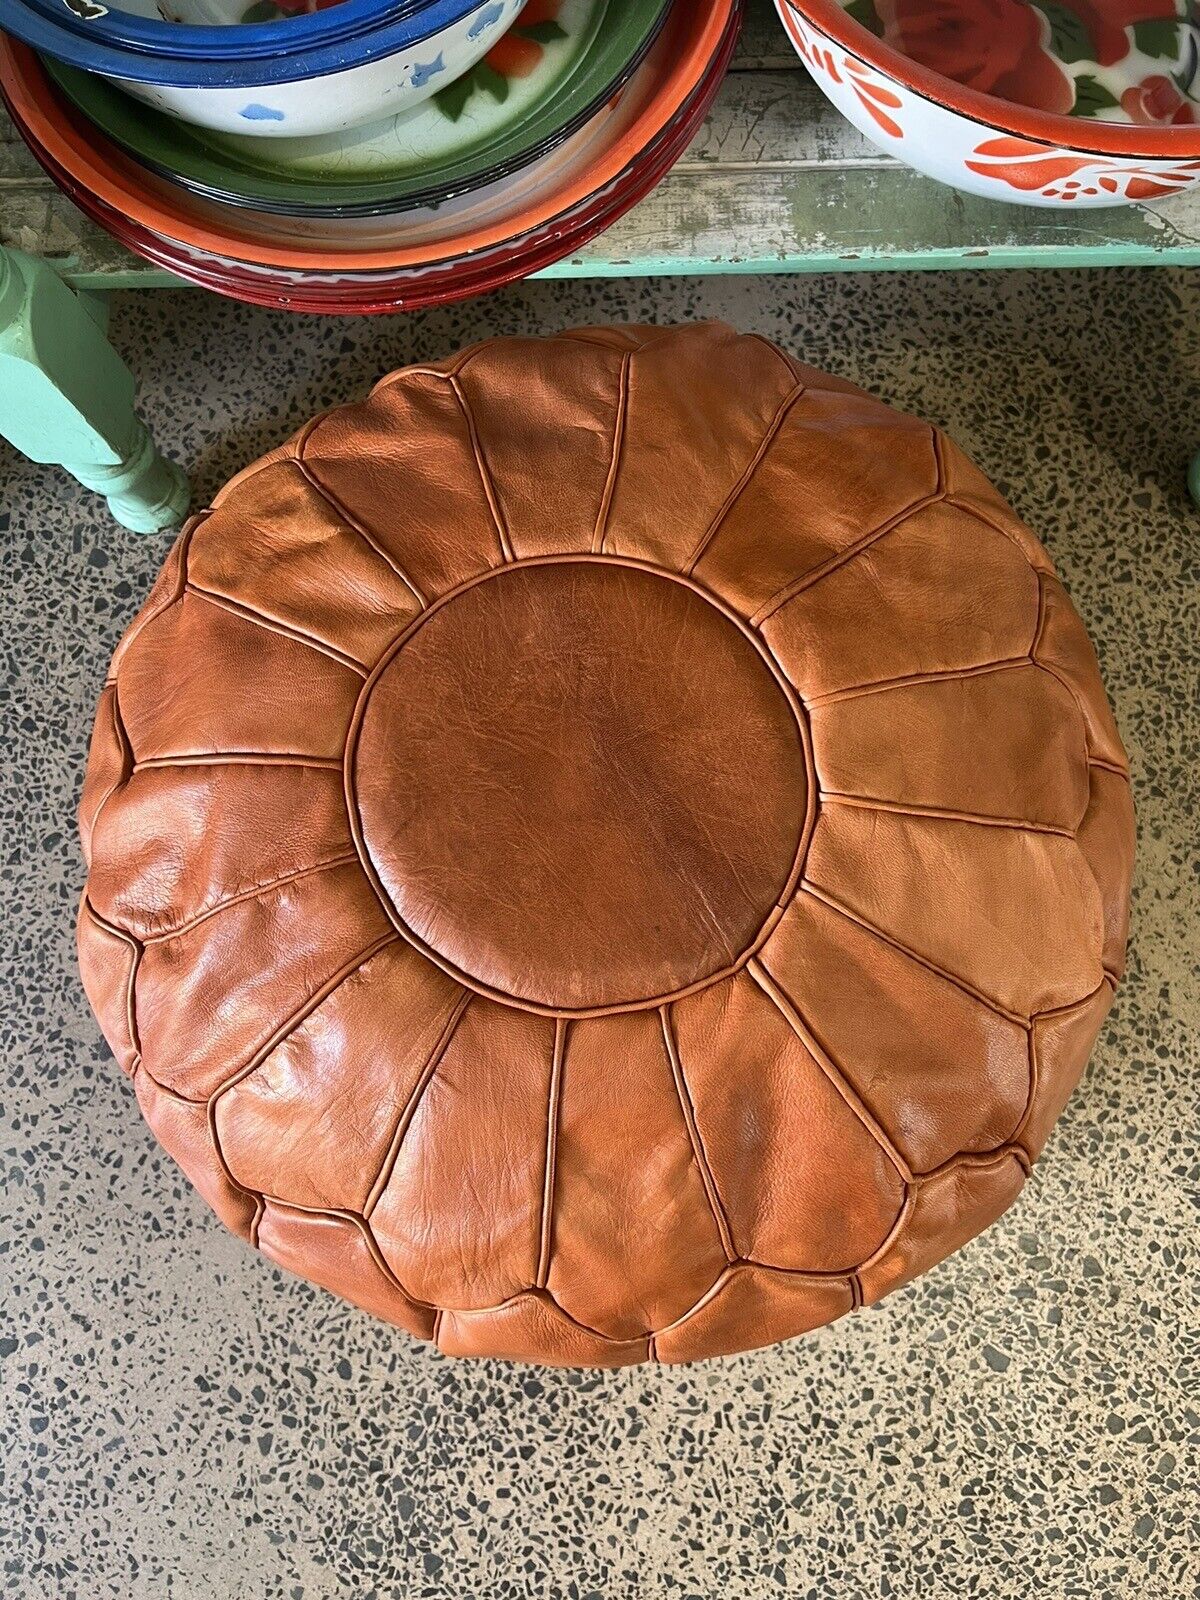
555,69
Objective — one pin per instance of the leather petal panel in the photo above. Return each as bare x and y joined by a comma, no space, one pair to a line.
634,1241
460,1219
803,1182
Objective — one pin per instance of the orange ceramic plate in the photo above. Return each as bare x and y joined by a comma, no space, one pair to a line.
659,90
397,290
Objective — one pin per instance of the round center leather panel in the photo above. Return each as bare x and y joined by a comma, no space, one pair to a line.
581,786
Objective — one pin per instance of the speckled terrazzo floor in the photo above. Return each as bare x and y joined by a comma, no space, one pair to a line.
181,1419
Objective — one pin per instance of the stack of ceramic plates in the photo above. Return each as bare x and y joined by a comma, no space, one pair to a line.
574,113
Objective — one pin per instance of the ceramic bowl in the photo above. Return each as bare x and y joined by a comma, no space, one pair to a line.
546,79
92,170
391,290
646,131
366,59
992,142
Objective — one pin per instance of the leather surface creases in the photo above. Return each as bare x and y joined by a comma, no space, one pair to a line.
613,848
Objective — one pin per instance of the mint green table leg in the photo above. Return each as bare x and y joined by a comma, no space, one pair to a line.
67,397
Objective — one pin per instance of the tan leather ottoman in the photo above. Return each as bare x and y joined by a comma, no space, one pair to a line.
612,849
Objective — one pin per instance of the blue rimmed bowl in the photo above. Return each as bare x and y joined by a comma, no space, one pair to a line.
296,76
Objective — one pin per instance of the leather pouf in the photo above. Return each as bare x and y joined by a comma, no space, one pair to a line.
614,848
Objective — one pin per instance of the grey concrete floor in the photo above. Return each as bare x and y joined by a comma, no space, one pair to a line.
181,1419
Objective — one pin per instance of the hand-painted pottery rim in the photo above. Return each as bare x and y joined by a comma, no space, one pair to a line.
255,174
388,293
1180,143
217,41
251,56
422,235
678,62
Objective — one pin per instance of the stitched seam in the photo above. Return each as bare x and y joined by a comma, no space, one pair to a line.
138,627
774,428
862,802
790,366
1035,1078
468,1313
699,1154
883,685
352,522
247,613
381,1261
239,758
1045,666
392,1154
600,532
1035,1069
1053,1012
364,1229
135,945
853,1100
259,1199
338,1213
485,473
583,336
810,1274
975,1158
1099,920
301,1013
342,1214
127,761
826,899
972,509
843,557
733,1270
902,1219
725,1276
456,364
990,1158
474,1313
282,1034
166,934
1109,766
469,981
131,1021
1059,677
464,359
553,1105
1042,613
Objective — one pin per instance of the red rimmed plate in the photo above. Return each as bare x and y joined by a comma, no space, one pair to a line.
82,160
389,291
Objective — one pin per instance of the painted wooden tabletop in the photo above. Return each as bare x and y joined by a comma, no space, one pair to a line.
776,181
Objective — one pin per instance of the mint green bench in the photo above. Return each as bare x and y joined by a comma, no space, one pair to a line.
776,182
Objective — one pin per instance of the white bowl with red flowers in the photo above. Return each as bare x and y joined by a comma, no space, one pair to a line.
1054,103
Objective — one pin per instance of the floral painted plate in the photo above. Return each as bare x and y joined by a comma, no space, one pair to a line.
1131,61
548,76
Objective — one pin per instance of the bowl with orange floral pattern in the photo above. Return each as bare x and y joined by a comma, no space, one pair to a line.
546,77
1071,103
